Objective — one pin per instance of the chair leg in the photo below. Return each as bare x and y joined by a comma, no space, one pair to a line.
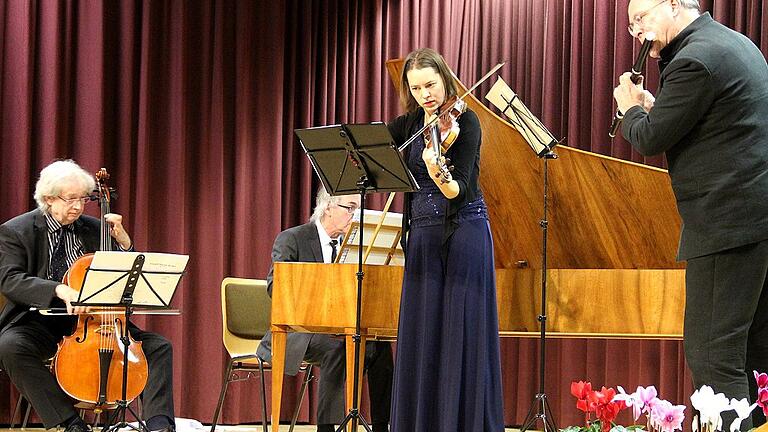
304,384
263,396
26,416
139,408
96,420
16,411
224,384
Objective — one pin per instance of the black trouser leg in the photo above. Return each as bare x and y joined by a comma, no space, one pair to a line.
329,354
24,347
379,365
726,316
757,351
157,397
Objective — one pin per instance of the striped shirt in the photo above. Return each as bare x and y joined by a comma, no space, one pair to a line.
72,244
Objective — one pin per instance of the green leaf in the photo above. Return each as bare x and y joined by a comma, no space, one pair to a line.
619,428
595,427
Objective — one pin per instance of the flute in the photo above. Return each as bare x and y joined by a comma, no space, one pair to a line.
637,70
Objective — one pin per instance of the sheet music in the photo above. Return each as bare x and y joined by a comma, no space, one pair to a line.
532,130
386,240
107,276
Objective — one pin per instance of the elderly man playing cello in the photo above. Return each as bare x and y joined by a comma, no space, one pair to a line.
36,248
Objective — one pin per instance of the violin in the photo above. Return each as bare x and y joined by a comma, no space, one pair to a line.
428,124
444,130
448,121
89,363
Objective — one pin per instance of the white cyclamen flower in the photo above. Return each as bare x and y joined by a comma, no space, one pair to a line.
710,405
743,410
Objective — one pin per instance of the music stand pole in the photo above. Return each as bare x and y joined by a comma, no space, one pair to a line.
540,409
123,404
354,412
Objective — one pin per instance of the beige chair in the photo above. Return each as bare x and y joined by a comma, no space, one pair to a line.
245,311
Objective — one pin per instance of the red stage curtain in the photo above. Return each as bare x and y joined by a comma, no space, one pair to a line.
192,106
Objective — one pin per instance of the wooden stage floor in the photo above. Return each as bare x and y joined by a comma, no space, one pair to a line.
240,428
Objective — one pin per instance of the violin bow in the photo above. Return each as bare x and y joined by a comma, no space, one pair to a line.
433,120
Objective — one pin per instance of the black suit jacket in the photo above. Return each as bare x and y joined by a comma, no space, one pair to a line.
711,119
24,262
298,244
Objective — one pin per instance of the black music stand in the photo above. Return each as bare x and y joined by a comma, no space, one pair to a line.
356,158
114,280
542,142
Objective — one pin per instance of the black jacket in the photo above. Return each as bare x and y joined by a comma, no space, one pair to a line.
24,262
711,119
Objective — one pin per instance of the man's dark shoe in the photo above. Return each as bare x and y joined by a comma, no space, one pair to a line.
78,426
325,428
380,427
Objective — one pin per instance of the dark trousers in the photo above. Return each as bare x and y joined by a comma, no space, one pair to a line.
726,322
26,345
330,354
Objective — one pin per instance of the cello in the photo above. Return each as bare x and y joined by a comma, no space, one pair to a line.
89,363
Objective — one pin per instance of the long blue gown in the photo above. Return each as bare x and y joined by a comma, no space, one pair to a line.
447,373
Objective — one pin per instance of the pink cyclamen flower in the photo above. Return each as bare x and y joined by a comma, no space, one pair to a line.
762,400
761,379
646,394
667,417
630,400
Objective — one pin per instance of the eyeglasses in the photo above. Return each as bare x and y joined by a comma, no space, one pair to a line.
350,209
637,21
72,201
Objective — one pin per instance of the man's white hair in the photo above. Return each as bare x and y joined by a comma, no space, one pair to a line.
57,174
323,200
690,4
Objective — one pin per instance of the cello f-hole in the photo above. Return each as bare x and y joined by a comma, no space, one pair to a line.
85,330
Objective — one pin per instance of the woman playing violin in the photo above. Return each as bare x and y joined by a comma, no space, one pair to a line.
36,248
447,373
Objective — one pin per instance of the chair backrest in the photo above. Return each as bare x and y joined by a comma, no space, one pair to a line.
245,311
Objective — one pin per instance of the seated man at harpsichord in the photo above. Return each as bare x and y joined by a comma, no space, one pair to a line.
317,241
